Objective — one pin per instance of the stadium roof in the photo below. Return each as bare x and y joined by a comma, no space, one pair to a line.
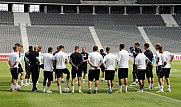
72,1
43,1
97,2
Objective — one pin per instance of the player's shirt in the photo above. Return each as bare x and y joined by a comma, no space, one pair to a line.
123,57
14,57
48,62
110,61
166,57
76,59
32,56
160,59
95,58
134,54
149,55
140,61
60,58
85,56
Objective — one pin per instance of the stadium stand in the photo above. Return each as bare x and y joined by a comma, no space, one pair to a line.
69,36
169,37
177,18
57,19
9,35
46,1
88,19
112,36
6,18
138,20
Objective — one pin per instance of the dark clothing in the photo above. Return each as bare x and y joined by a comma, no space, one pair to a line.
59,72
141,74
109,75
35,76
122,73
149,55
34,67
85,56
77,73
27,68
103,55
48,75
165,72
32,57
149,70
55,52
20,69
54,66
76,60
102,66
94,74
158,69
84,69
14,73
135,71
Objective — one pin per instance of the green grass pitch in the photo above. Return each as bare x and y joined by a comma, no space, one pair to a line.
25,98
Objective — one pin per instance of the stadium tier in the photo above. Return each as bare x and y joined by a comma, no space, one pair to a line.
6,18
9,35
69,36
177,18
169,37
112,36
158,1
88,19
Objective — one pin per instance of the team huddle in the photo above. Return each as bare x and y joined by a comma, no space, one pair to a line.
107,62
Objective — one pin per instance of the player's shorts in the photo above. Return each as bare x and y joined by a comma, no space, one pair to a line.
20,69
158,69
135,71
122,73
94,74
48,75
141,74
165,72
27,68
14,73
149,72
59,72
77,73
102,68
109,74
84,69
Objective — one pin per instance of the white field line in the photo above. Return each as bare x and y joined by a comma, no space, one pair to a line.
155,94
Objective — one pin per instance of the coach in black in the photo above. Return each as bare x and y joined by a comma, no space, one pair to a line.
84,66
149,70
76,60
34,67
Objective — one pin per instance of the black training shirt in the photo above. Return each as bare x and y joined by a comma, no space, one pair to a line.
85,56
32,57
149,55
76,59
